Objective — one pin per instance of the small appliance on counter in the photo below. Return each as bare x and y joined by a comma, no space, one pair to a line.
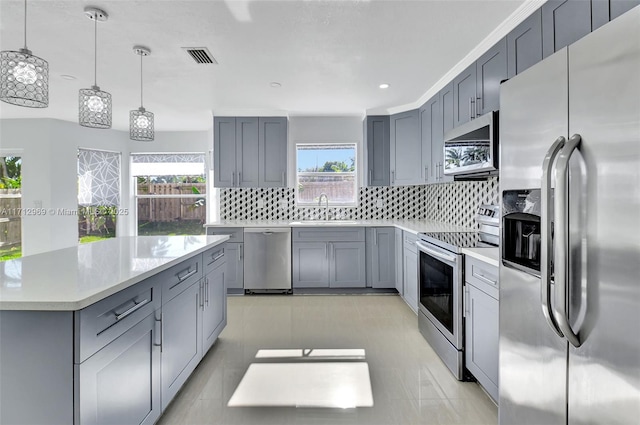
440,285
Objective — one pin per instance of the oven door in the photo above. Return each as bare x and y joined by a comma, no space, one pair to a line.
440,290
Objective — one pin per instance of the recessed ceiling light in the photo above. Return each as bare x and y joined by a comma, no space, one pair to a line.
384,86
275,84
68,77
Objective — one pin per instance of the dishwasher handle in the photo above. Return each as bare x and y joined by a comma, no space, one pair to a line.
267,230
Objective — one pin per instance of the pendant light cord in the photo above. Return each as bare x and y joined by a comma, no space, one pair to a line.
25,25
95,50
141,102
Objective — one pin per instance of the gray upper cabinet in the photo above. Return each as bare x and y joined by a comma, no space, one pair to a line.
464,96
247,152
524,45
381,253
224,151
406,147
272,170
491,69
564,22
618,7
376,130
250,152
426,137
445,119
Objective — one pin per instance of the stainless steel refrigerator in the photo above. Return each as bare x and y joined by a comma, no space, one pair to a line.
570,235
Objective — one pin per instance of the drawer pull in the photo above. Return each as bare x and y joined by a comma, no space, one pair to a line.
482,277
217,257
136,306
187,275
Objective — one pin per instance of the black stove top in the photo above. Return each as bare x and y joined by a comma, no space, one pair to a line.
454,241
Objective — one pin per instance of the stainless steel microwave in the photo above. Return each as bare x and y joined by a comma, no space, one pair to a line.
472,148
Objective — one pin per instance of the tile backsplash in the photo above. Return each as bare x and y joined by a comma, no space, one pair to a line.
453,203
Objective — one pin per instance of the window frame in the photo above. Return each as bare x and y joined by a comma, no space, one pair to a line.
331,203
134,186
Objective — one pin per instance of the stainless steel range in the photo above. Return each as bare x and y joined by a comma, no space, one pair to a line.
440,280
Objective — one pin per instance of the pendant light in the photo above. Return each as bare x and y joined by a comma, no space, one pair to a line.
95,104
141,120
24,78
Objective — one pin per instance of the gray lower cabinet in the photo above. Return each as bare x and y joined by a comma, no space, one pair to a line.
481,312
214,305
399,253
410,270
118,361
310,265
111,393
181,341
406,148
376,137
347,267
234,255
331,257
381,257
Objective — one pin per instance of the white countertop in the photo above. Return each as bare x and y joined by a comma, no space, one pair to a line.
413,226
488,255
74,278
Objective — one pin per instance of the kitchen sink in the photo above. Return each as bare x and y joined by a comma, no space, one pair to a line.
323,222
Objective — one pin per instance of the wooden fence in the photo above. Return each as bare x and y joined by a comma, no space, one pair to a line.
336,191
172,209
10,218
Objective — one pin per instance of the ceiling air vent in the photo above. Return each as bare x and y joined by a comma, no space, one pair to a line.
200,55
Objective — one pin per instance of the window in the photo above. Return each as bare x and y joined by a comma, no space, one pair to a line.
170,191
11,207
328,169
98,194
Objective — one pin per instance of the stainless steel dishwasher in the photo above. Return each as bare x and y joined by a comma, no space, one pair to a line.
267,260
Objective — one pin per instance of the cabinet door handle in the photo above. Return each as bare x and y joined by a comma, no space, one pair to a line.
239,178
370,176
206,291
136,306
466,301
187,275
478,106
161,332
471,108
426,173
393,177
375,236
241,250
326,250
233,179
215,257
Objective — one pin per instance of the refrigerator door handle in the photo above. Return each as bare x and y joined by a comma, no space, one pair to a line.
561,254
546,241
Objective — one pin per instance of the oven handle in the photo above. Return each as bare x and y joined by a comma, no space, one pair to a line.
427,250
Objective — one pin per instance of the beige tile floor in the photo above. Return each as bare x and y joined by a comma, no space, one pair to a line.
410,384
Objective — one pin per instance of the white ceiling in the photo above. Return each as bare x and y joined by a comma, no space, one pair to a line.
329,56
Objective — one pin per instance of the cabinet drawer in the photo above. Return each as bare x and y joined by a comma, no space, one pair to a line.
482,275
104,321
329,234
180,277
236,234
409,241
213,258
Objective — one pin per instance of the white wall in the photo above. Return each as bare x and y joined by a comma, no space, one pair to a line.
324,129
49,178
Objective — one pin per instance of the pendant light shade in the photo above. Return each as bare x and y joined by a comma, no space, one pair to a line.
95,104
141,120
24,78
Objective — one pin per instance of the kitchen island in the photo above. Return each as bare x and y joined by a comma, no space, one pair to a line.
107,332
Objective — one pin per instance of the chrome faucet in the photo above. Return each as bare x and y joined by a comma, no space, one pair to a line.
326,208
